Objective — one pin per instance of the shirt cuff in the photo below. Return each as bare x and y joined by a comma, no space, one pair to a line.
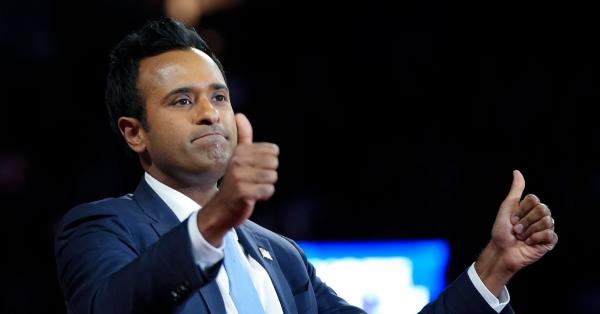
205,255
497,304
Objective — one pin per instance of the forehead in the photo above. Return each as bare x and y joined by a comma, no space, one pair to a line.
177,68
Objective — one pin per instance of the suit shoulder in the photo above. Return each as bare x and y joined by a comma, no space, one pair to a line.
260,230
104,208
273,237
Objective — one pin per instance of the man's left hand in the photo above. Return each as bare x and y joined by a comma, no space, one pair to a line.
522,233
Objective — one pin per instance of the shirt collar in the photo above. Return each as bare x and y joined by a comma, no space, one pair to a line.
181,205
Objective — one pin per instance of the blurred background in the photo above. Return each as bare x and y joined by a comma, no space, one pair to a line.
396,120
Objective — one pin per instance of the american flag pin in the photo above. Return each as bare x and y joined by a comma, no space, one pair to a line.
265,254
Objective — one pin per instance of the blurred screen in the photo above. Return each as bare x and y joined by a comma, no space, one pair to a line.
382,277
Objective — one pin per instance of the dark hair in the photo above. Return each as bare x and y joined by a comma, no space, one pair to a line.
156,37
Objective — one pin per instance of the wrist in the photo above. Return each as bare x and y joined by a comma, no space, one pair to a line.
209,227
492,270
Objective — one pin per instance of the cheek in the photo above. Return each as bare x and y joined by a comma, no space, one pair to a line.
166,140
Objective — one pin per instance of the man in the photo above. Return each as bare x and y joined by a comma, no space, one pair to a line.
182,244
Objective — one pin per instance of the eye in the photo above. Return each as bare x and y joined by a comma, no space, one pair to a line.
220,98
182,102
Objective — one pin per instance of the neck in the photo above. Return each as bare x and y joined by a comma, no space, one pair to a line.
200,188
200,194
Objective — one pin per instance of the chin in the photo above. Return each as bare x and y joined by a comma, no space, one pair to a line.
218,155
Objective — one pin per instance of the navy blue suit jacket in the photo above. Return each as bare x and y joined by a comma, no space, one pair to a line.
132,255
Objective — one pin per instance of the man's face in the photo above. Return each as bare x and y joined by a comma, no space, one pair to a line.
191,125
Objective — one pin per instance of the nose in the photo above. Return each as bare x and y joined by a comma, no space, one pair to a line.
206,113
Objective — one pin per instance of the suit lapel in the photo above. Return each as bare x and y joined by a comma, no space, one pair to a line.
251,243
163,220
212,296
152,205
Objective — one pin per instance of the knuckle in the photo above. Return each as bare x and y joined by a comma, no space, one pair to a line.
247,202
547,235
543,209
532,198
241,149
267,189
236,174
274,163
539,210
547,210
267,176
547,221
242,190
235,160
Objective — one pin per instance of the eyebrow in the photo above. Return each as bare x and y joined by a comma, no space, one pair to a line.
189,89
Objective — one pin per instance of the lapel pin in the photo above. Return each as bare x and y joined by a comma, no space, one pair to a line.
265,254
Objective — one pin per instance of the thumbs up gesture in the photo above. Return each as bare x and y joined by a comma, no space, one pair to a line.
250,176
522,233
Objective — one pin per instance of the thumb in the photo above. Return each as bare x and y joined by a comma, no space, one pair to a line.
244,129
516,190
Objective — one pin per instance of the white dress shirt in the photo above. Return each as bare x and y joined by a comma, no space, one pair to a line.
206,255
497,304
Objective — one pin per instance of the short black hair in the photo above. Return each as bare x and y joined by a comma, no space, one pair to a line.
154,38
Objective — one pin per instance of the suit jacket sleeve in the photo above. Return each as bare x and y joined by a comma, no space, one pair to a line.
458,298
101,269
461,297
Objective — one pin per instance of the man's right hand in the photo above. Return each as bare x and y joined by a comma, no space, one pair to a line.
250,176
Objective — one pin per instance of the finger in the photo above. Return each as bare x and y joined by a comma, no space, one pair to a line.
535,214
514,195
517,187
264,176
254,175
545,223
259,192
260,161
544,237
247,160
527,204
244,129
258,148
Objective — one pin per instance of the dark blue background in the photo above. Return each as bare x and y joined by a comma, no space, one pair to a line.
395,120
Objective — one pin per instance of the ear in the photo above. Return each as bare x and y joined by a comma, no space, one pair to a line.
133,132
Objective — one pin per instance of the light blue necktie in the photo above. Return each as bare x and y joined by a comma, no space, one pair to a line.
241,288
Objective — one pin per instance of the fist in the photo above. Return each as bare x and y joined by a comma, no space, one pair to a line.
250,176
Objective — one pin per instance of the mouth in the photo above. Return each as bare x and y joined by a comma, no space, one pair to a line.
209,135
